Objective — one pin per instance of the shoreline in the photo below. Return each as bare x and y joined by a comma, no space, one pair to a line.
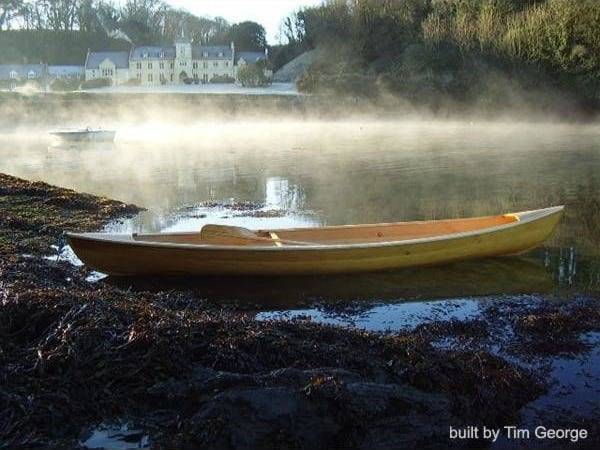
301,383
182,106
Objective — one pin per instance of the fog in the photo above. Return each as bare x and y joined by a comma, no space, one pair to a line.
166,115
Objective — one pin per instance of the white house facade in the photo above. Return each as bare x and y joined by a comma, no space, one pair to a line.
16,74
169,65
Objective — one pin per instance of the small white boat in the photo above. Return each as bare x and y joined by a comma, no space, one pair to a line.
85,135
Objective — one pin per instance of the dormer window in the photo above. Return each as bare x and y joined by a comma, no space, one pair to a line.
162,54
205,54
31,74
13,75
220,54
144,55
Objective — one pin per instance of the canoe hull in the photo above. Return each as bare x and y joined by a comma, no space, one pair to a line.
129,258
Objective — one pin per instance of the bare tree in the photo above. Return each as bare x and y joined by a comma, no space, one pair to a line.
9,10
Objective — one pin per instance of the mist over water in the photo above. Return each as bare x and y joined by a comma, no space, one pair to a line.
314,173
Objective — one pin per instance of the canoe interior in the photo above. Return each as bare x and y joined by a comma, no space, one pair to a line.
352,234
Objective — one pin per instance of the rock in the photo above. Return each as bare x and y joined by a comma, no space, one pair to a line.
318,408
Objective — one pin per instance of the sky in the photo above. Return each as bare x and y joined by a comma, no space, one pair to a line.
269,13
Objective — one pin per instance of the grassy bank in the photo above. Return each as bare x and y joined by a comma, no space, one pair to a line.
74,354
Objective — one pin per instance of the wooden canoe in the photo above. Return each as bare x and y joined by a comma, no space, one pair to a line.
335,249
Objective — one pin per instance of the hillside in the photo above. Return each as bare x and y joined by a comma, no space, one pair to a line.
294,69
53,47
456,54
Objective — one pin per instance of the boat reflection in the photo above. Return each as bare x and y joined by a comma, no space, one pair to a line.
59,146
509,275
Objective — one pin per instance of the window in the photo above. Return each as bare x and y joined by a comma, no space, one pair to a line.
226,63
172,65
139,66
13,75
107,72
162,65
220,54
216,64
31,74
205,65
171,78
205,54
162,54
195,65
149,65
149,77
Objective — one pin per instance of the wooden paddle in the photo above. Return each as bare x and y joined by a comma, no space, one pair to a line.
226,234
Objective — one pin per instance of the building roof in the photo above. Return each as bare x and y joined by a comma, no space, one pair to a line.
168,52
212,52
66,70
250,57
153,52
119,59
22,70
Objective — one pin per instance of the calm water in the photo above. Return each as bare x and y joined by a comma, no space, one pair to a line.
314,173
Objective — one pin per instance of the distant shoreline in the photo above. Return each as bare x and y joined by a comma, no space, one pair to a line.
218,89
275,89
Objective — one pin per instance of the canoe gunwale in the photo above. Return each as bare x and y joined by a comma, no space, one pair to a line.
524,217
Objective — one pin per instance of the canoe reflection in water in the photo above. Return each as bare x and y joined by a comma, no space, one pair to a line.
505,275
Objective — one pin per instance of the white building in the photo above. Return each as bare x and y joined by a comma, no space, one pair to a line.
66,72
168,65
16,74
111,65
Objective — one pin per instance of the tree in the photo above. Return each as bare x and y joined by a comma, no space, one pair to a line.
142,20
247,36
201,30
292,28
9,9
253,75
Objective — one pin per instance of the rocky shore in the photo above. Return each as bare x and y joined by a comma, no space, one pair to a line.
192,374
